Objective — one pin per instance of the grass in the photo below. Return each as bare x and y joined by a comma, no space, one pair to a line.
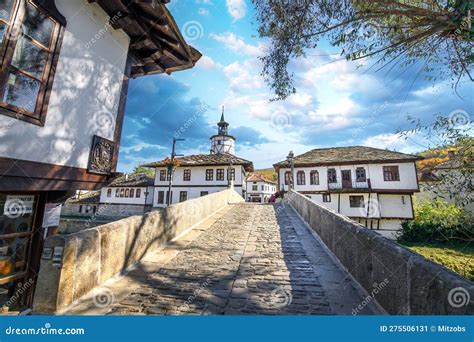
458,257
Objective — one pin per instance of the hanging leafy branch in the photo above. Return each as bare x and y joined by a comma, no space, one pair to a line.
404,32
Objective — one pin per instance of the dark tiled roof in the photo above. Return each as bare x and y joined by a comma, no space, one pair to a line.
208,160
88,198
139,179
348,155
259,178
427,177
455,163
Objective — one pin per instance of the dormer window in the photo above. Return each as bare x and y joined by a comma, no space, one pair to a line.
29,50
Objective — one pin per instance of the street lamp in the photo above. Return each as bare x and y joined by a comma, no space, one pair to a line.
171,168
291,160
230,174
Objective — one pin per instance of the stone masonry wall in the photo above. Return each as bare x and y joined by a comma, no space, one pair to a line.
413,285
92,256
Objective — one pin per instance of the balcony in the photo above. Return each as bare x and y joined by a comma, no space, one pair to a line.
349,185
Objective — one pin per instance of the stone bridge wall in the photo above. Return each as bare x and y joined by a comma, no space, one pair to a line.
92,256
406,282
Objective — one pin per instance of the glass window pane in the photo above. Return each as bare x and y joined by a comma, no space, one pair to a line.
29,57
37,26
2,31
6,9
21,91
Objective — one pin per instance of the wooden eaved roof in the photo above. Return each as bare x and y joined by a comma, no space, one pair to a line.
156,43
348,155
218,159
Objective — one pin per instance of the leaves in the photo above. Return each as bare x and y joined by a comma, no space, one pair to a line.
409,30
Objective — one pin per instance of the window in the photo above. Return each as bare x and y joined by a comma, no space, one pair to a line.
117,192
326,197
109,192
138,193
28,38
287,177
162,175
168,199
183,196
122,192
220,174
209,174
263,187
300,178
161,197
231,174
356,201
127,193
187,175
314,177
254,187
132,193
332,178
390,173
204,193
360,174
80,208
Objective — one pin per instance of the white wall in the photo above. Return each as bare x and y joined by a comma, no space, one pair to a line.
85,95
374,172
143,199
197,183
398,206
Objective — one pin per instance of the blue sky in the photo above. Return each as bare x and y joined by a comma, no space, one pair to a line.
338,103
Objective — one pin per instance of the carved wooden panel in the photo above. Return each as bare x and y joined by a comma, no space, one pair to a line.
101,156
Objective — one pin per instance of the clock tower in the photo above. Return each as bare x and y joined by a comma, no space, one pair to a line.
222,142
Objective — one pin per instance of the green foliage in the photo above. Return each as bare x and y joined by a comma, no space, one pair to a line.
140,169
438,221
269,174
402,33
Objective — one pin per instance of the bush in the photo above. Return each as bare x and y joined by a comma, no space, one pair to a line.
438,221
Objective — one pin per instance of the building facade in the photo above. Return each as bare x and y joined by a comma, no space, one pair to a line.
259,189
65,67
202,174
369,185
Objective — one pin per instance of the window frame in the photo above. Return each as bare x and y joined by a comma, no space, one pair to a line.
220,175
138,193
352,201
209,175
161,197
204,193
287,177
163,174
389,175
314,177
187,175
46,80
300,178
183,196
109,192
326,198
363,177
332,175
132,193
231,174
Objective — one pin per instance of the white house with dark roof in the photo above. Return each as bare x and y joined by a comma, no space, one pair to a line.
369,185
259,189
202,174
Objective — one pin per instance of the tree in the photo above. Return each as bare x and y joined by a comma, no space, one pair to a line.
457,181
140,169
435,33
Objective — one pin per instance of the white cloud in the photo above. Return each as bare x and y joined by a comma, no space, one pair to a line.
394,142
206,63
237,9
241,76
237,44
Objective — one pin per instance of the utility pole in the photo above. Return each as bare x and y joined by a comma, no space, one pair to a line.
171,170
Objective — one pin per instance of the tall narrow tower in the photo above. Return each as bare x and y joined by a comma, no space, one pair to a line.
222,142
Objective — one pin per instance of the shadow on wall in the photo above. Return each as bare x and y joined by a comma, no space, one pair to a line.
92,256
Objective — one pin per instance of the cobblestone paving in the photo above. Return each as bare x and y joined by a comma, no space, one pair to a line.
249,261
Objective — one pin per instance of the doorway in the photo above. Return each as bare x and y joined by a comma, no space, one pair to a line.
346,179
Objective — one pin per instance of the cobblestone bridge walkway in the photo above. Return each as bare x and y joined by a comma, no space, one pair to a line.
245,259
